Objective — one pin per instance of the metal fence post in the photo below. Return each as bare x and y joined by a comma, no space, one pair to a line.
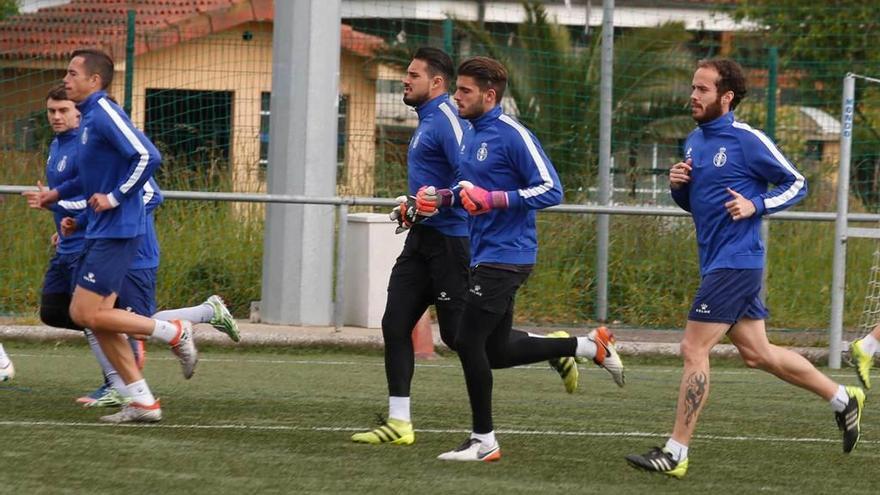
129,63
603,221
339,281
838,284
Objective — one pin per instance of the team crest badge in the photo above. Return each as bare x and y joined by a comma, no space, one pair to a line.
62,164
483,152
720,158
85,135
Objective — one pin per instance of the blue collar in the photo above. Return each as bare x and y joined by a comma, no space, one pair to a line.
718,125
485,120
428,107
67,135
90,101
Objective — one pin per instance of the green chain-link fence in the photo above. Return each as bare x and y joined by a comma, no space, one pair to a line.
201,89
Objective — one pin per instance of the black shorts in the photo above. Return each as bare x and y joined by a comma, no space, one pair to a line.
494,289
432,264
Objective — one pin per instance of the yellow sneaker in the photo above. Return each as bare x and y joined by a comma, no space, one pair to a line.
565,366
862,361
393,431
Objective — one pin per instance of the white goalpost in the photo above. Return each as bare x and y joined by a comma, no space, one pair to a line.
842,231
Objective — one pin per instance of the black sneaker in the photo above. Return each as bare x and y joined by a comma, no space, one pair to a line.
659,460
850,418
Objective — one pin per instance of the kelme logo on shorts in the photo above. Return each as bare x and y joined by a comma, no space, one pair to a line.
703,309
90,277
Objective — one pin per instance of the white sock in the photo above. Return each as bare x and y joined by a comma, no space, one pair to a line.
487,439
398,408
116,383
106,368
140,393
679,452
203,313
4,359
585,348
869,344
165,331
120,387
840,399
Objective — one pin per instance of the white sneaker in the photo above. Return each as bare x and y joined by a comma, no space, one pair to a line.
473,450
7,370
606,354
185,348
135,412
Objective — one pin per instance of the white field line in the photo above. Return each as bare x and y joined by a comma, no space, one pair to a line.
246,427
318,362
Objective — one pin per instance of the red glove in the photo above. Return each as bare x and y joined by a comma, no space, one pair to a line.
429,200
477,200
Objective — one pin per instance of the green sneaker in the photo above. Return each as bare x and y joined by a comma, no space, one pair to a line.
223,319
849,420
862,361
111,398
393,431
659,460
565,366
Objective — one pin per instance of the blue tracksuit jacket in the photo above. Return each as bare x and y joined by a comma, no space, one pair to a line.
61,167
726,153
502,155
432,156
114,158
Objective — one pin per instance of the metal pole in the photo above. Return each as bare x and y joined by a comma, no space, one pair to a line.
297,269
339,303
448,26
770,130
605,101
129,63
654,164
838,284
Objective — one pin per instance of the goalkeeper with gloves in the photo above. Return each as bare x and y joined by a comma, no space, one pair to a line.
433,266
506,177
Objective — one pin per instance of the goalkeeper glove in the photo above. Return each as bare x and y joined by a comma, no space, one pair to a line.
405,213
429,200
477,200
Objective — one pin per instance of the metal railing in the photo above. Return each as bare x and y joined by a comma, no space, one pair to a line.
342,205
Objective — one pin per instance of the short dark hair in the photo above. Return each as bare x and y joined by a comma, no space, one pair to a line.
439,62
57,93
487,72
730,77
97,62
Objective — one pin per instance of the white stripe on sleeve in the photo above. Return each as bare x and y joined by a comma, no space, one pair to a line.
536,157
73,205
792,191
148,192
453,121
133,140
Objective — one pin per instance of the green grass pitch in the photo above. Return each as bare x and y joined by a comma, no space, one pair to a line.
279,421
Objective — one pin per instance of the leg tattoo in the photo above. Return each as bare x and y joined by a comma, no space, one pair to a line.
694,395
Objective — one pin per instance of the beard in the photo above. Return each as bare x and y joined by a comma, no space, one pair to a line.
413,99
711,112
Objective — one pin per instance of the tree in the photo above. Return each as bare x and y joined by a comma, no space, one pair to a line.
8,8
554,85
821,42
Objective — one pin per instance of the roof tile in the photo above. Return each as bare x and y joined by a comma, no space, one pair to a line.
55,32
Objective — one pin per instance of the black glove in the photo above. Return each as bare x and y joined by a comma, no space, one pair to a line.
405,214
